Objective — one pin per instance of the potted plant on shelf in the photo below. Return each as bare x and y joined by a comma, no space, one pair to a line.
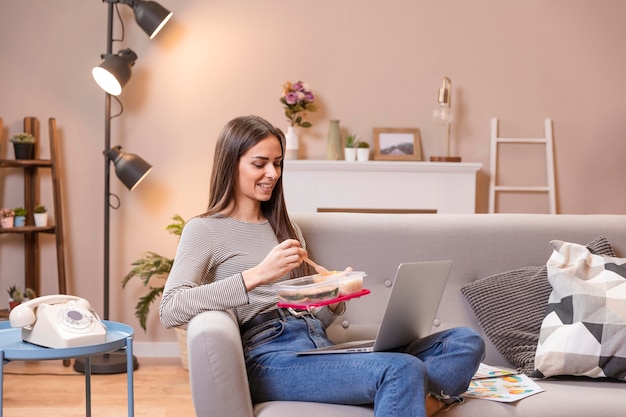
152,269
23,145
349,151
17,296
6,218
20,216
362,151
41,215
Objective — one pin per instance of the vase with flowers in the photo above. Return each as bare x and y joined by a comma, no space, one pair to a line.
298,99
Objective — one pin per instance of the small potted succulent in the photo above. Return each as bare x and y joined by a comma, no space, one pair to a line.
23,145
41,215
362,151
20,216
17,296
349,151
6,217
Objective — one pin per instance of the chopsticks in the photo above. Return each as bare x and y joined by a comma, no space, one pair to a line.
320,269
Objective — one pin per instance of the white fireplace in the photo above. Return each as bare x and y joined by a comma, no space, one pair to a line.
380,186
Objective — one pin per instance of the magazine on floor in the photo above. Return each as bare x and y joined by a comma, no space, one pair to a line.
500,384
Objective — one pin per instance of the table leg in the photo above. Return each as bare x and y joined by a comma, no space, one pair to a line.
1,379
87,386
129,376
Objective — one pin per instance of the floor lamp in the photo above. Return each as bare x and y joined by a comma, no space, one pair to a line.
112,74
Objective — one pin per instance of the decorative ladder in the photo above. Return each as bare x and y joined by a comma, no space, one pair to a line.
30,232
549,188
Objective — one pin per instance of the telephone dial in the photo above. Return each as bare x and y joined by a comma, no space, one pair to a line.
58,321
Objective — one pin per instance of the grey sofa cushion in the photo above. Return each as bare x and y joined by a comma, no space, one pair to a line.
510,307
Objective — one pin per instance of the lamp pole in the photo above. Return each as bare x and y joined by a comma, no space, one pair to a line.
112,75
107,168
115,362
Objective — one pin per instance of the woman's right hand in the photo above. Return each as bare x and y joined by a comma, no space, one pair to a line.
284,257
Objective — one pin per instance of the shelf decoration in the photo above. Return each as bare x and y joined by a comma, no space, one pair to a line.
23,145
298,99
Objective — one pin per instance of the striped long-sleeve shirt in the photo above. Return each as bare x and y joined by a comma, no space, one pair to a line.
206,274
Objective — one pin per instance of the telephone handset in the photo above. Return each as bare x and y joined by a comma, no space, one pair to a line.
58,321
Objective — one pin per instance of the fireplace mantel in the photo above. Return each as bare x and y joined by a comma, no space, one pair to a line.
380,186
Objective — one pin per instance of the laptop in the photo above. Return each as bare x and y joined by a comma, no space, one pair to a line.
410,312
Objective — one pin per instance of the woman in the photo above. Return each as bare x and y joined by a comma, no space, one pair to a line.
228,258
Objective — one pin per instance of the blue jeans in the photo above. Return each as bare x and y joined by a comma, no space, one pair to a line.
395,382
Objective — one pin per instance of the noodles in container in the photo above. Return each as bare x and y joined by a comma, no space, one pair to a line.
316,288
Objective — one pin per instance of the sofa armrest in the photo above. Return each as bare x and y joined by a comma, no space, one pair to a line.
217,371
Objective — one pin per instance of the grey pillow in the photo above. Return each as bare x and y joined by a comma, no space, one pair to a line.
511,306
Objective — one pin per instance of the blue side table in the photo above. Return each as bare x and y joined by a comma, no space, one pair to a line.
119,336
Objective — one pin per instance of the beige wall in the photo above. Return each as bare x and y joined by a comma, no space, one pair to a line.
371,63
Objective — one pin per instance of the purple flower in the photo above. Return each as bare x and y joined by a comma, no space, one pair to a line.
298,100
291,98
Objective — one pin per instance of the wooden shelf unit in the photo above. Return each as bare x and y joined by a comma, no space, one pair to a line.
30,232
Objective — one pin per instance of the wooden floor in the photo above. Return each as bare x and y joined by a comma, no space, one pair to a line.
49,389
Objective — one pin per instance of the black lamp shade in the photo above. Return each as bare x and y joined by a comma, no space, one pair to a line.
115,71
150,16
129,168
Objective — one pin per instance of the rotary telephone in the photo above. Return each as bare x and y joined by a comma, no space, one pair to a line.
58,321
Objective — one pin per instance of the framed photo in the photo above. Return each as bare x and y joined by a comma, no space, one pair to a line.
397,144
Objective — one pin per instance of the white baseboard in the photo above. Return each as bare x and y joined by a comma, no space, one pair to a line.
156,349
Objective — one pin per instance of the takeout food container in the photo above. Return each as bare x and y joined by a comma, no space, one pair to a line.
316,288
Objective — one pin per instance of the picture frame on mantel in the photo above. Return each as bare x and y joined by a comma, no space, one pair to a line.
397,144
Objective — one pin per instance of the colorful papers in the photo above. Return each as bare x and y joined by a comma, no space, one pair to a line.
497,384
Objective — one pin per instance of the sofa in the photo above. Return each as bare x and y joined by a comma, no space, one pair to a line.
480,246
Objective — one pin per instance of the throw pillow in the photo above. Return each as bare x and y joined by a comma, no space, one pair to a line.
584,330
510,307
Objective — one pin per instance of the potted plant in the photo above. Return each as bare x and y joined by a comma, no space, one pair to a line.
154,266
41,215
23,145
20,216
6,217
349,151
17,296
362,151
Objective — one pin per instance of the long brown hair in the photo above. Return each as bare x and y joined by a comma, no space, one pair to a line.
239,135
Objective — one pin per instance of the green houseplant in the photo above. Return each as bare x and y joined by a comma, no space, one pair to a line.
152,265
23,145
17,296
351,141
40,213
349,151
362,151
20,216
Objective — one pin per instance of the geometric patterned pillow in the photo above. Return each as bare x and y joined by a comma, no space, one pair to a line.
511,305
584,330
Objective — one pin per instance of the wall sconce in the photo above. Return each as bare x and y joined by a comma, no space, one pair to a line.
443,115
